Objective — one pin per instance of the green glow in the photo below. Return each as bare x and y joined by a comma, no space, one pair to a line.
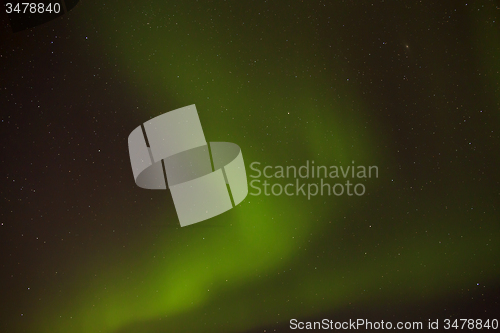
225,268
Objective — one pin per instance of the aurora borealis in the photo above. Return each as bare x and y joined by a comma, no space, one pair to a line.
410,87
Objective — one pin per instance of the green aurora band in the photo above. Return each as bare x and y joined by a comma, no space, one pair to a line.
275,257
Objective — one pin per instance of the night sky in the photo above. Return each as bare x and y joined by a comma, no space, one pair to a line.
411,87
